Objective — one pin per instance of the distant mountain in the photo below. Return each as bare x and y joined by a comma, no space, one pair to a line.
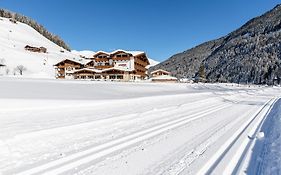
251,54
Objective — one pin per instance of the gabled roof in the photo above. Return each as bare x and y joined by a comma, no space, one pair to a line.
134,53
117,68
75,60
88,69
160,70
101,52
89,62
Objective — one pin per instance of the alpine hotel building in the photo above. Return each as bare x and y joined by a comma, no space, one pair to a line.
118,65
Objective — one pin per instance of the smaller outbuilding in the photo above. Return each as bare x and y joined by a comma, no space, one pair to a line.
35,49
164,79
159,72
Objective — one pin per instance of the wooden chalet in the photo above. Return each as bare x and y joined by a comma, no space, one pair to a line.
65,68
119,65
164,79
159,72
36,49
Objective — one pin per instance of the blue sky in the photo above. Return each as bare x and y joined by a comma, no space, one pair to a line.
159,27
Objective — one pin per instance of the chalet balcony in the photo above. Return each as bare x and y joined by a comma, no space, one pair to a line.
103,67
120,58
139,61
59,76
102,59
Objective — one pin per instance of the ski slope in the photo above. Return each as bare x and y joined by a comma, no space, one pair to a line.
85,127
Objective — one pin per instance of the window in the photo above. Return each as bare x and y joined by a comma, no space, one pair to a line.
97,77
119,77
69,68
112,77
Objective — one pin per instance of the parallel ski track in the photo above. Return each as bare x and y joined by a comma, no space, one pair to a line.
211,165
80,158
202,141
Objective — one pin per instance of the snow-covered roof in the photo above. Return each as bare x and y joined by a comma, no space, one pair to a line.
152,63
76,60
85,53
101,52
160,70
134,53
164,77
89,69
117,68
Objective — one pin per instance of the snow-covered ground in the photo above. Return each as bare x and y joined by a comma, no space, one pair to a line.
86,127
267,150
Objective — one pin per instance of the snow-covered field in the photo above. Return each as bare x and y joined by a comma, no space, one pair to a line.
86,127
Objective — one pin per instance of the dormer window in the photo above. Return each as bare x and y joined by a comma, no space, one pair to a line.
69,69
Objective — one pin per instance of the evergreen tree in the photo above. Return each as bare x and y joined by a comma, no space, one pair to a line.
202,73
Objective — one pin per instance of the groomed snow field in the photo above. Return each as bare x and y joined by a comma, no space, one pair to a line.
112,128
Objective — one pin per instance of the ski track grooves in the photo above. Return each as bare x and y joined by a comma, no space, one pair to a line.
214,134
211,165
80,158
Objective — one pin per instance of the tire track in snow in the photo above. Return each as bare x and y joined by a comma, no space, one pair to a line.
78,159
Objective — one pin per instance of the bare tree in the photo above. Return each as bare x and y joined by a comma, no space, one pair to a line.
20,69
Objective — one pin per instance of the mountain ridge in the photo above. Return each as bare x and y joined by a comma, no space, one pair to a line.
249,54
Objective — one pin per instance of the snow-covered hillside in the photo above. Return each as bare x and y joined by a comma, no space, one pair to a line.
13,39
